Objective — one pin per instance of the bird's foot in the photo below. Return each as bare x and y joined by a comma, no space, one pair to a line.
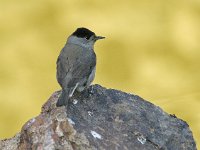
88,92
91,91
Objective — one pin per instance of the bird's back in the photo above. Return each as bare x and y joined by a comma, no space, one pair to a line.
74,64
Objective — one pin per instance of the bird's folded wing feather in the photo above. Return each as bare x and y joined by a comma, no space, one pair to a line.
75,65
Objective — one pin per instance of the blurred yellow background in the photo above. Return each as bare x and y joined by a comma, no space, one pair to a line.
151,49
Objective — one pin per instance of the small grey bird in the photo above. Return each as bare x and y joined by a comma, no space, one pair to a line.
76,64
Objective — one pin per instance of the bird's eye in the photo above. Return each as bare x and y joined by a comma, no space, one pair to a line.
87,37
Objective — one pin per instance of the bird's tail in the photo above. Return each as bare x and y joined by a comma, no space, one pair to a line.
63,99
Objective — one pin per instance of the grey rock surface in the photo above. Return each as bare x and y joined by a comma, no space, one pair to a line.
106,120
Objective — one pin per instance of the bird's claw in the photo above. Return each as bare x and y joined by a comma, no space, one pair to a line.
91,91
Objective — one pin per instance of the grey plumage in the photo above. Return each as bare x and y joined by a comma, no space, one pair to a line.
76,64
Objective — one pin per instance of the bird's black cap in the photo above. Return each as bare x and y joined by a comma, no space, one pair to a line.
83,33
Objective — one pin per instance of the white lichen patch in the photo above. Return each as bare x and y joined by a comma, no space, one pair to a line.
96,135
141,139
90,113
70,121
75,101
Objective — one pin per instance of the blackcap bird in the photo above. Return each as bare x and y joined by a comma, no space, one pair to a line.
76,64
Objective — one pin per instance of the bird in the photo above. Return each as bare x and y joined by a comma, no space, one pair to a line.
76,64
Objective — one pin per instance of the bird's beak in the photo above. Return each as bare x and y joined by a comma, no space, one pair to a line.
99,37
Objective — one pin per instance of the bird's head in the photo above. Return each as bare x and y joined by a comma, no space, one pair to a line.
84,37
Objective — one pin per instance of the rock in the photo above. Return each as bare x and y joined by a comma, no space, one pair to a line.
106,120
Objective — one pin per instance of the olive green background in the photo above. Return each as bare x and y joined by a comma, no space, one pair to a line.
151,49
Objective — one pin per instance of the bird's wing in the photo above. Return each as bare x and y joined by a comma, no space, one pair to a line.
75,65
